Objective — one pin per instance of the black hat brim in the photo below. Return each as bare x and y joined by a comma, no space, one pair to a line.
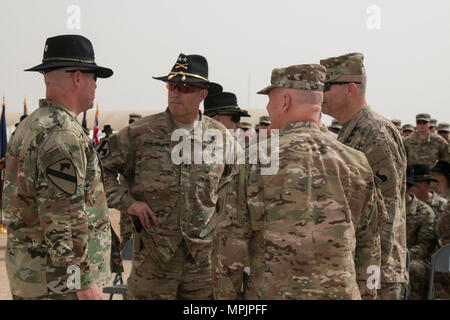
418,179
100,72
213,88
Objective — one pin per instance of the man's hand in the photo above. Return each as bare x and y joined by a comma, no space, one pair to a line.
143,212
90,293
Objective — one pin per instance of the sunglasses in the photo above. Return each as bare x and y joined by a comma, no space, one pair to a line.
442,131
182,87
421,122
328,85
85,71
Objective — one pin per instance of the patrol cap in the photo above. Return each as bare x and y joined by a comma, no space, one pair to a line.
223,103
397,123
257,126
302,77
423,116
70,51
443,127
348,64
433,122
264,120
408,127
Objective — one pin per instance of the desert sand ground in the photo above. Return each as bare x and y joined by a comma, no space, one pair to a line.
5,293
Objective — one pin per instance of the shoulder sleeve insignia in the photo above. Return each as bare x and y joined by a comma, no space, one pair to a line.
103,149
63,175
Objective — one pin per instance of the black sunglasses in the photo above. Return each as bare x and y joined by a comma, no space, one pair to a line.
85,71
328,85
421,122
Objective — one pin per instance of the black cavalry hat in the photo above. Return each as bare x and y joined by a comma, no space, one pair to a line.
190,69
410,176
442,167
223,103
70,51
107,127
422,173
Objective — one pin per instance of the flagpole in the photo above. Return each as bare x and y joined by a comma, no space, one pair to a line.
2,229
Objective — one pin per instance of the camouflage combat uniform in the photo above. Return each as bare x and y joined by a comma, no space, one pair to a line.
311,229
172,255
54,207
421,240
442,280
438,204
426,151
382,144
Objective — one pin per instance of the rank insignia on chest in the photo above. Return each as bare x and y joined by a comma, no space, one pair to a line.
63,175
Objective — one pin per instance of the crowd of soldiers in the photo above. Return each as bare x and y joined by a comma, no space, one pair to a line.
335,221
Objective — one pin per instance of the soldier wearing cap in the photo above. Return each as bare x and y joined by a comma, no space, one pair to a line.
306,243
107,130
133,117
224,108
441,173
54,204
421,239
398,124
424,146
257,127
171,200
407,130
376,136
423,179
443,130
433,125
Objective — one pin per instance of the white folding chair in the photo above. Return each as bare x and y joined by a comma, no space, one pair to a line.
440,262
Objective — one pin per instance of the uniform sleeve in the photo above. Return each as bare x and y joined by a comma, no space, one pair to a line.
117,158
62,165
444,151
230,239
427,237
368,251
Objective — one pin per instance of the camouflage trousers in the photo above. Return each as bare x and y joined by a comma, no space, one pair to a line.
181,278
66,296
391,291
126,228
419,275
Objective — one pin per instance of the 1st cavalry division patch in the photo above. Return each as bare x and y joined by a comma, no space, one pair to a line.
63,174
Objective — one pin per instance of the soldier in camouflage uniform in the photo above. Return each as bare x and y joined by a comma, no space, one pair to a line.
423,179
421,239
224,108
54,203
443,130
376,136
433,125
407,130
442,280
424,146
311,228
171,258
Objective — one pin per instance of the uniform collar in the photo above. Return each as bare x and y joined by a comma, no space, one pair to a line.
47,103
293,126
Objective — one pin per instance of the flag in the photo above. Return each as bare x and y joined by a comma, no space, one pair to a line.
95,135
25,108
84,123
3,139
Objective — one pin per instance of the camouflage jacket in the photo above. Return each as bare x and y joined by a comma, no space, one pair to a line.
382,144
183,196
426,151
438,204
420,233
443,227
54,205
310,230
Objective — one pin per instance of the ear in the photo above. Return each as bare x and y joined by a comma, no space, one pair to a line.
76,79
286,103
